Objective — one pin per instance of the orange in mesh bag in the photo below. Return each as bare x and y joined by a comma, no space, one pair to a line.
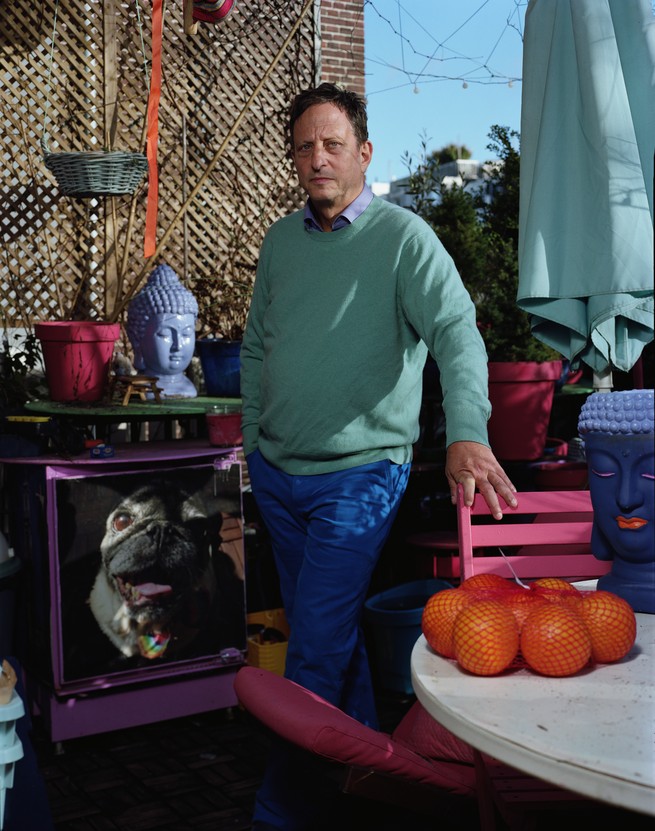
441,610
486,637
438,619
611,624
555,641
556,590
487,582
559,628
522,603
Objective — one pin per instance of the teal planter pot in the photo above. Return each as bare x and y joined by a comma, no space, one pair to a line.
394,620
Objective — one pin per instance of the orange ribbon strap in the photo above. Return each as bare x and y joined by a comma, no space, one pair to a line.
153,130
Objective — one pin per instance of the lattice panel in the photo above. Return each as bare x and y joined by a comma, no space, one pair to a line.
65,257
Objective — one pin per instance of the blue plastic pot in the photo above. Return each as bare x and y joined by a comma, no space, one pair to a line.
394,620
220,361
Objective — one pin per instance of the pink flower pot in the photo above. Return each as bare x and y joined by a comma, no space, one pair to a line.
521,396
77,356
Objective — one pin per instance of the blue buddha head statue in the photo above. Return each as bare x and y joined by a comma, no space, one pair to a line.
618,429
161,324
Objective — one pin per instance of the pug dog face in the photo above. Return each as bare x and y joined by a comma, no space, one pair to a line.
155,568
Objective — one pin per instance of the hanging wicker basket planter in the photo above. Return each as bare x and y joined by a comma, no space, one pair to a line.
97,173
94,173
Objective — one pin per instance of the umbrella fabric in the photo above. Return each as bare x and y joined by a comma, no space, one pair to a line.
586,209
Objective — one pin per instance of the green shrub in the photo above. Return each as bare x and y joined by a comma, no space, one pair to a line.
482,238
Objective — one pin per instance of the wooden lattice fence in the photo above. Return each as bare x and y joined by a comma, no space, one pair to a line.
63,257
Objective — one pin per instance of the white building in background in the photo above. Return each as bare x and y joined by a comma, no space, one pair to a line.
469,174
381,189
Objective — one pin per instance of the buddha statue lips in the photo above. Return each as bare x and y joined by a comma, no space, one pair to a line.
631,524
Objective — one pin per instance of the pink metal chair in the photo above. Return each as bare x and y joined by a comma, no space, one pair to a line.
547,535
421,764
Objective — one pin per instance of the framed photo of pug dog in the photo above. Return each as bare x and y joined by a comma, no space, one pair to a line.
147,572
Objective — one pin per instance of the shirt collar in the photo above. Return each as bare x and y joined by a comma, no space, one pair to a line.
346,217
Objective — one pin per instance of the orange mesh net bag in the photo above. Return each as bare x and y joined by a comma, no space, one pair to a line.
490,625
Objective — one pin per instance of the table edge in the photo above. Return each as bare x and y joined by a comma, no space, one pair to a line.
592,784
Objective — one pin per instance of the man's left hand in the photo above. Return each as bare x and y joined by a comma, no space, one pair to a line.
473,465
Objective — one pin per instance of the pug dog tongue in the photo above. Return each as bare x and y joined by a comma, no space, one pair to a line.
152,589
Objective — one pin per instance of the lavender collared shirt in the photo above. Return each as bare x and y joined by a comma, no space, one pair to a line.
348,215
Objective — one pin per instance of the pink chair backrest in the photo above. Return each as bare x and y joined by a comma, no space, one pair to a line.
550,537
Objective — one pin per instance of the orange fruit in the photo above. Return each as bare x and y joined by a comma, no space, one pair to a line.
521,603
555,640
485,581
557,590
485,637
551,583
438,619
611,623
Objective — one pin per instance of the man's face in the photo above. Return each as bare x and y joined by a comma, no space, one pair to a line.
330,162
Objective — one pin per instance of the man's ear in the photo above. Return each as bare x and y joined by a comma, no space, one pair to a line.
366,154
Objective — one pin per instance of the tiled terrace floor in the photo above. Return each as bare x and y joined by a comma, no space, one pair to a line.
202,772
199,772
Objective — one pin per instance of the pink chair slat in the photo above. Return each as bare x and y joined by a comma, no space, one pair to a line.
551,540
533,533
549,502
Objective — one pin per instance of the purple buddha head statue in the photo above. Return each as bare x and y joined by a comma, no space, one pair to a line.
161,321
618,430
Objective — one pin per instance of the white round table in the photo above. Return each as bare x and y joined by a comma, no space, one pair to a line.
592,733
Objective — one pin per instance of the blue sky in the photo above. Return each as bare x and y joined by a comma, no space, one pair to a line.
444,69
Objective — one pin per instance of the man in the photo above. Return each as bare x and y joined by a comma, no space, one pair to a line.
350,295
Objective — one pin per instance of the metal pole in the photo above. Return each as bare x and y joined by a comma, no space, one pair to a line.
602,381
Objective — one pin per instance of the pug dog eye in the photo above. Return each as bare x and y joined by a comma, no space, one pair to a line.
122,521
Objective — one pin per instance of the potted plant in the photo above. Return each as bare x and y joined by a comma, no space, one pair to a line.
222,312
21,371
21,379
480,231
77,356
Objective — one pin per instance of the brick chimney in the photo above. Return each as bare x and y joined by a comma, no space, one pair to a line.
341,43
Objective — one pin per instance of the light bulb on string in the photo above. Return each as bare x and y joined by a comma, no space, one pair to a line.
465,85
416,89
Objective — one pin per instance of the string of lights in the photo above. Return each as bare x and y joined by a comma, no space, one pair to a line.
444,63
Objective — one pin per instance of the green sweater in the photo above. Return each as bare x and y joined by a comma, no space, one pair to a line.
337,337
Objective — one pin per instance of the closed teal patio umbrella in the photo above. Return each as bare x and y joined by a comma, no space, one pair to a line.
587,160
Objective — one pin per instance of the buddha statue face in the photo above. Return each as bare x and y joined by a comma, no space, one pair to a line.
617,429
622,483
167,344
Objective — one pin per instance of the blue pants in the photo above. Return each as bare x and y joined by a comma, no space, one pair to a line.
327,532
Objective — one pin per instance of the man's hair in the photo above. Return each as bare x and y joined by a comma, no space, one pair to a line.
353,105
